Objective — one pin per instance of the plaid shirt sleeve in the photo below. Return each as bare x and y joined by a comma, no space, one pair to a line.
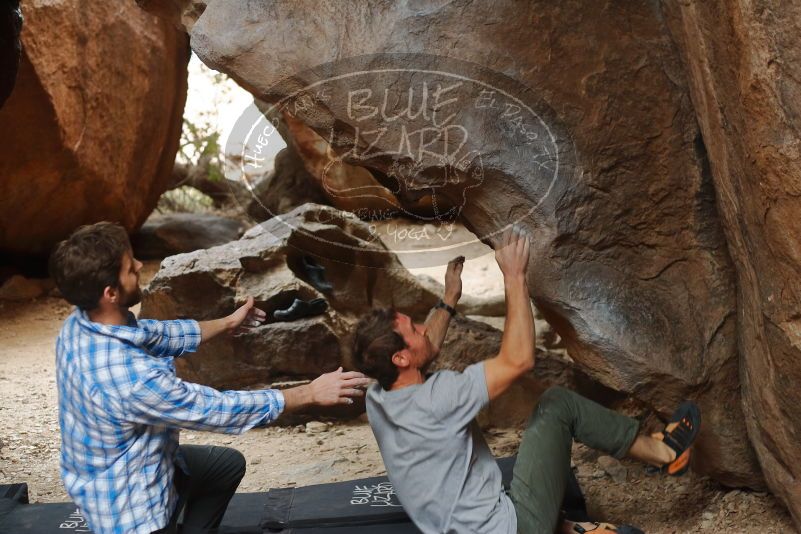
158,397
169,338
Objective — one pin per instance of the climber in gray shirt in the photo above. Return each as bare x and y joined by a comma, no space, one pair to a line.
436,457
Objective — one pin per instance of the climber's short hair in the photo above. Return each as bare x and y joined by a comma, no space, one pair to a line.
88,261
373,344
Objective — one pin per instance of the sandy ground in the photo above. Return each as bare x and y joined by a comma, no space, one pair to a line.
282,456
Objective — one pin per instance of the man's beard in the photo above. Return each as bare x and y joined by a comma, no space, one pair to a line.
130,299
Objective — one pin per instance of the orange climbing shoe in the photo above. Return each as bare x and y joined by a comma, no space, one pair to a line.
685,423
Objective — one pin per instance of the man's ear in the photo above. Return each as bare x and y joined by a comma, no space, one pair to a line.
110,294
401,358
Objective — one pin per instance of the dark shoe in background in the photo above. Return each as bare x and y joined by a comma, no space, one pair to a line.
316,274
300,309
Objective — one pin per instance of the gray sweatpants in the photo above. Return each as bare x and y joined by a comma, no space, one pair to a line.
543,461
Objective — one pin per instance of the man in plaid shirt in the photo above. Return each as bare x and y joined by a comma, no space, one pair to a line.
121,405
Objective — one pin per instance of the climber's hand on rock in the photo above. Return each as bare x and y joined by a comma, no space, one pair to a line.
453,281
511,252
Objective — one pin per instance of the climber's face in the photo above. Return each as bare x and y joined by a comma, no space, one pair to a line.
419,351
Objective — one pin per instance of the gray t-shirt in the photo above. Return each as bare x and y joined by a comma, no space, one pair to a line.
436,457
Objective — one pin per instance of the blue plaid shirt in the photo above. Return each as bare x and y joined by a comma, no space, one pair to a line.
120,408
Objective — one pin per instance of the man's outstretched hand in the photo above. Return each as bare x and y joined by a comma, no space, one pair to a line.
246,316
453,281
511,252
338,387
329,389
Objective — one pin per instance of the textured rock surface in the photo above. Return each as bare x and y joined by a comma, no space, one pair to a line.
629,262
91,129
175,233
285,187
347,187
744,65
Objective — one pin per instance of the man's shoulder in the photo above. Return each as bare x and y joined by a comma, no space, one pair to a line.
450,377
103,355
70,326
450,391
439,382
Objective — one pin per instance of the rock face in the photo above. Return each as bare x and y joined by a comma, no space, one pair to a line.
571,119
91,129
744,65
287,186
345,186
308,170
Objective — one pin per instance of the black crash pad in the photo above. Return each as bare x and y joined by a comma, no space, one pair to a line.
368,501
387,528
242,517
362,506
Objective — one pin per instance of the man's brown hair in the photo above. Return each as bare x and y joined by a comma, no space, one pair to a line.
374,342
88,261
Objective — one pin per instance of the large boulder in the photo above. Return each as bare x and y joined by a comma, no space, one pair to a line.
744,65
571,119
91,129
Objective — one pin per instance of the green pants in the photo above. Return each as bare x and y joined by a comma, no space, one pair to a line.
543,461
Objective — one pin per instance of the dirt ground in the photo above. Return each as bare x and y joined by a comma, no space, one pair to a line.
283,456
